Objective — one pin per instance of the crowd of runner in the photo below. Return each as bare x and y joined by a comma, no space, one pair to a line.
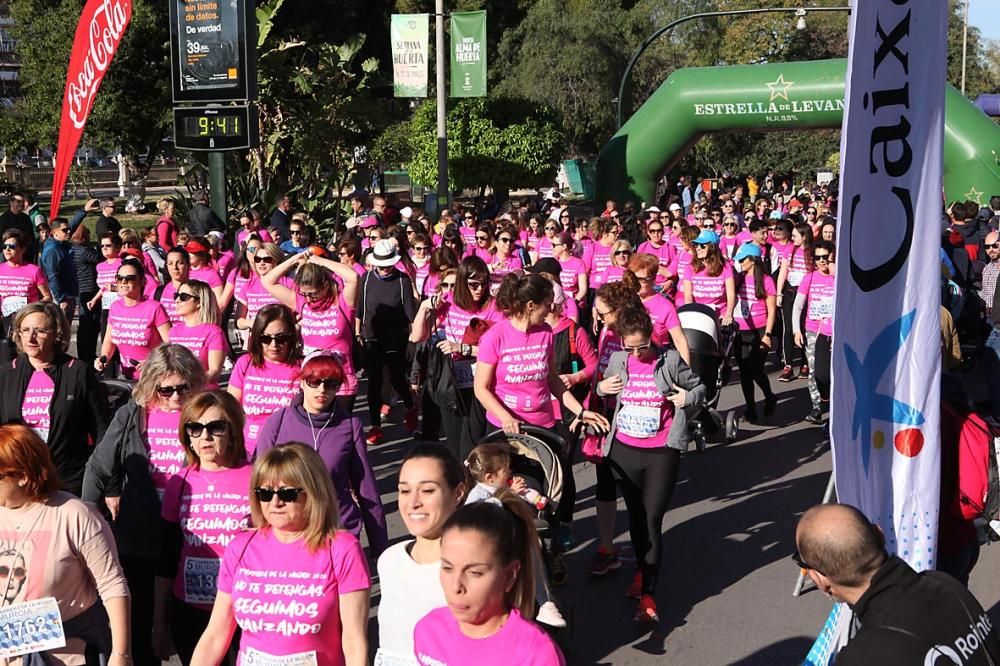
236,473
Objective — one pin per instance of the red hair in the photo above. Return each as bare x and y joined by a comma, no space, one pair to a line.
322,367
23,454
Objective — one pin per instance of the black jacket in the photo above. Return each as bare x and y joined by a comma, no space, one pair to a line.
387,307
203,219
78,413
906,616
22,223
107,224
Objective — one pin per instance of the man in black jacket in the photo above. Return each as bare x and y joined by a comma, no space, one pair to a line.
281,218
905,617
16,218
202,218
107,223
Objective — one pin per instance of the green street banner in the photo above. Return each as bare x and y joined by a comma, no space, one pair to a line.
468,54
408,34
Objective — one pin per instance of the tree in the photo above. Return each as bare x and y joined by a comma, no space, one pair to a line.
759,38
503,142
977,75
992,54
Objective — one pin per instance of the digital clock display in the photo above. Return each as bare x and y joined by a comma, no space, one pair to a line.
215,127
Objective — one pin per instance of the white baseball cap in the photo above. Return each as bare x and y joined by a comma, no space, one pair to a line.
675,206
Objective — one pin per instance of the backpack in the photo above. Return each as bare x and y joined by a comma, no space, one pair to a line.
978,480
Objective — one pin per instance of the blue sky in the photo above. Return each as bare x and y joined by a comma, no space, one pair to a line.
985,15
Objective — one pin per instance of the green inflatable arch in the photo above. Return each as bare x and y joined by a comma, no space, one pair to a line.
774,97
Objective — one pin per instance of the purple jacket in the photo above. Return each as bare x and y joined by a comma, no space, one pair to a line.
342,447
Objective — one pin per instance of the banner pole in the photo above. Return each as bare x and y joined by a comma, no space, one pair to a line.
443,193
217,184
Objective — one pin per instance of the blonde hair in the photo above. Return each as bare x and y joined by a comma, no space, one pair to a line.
56,321
235,452
167,359
299,466
621,244
488,458
273,251
129,235
208,308
163,204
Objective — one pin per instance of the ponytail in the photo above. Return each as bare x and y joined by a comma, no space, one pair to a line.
516,291
508,523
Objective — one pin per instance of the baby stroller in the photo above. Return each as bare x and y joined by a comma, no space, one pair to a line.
710,344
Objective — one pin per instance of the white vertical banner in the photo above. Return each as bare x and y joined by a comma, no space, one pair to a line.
886,365
408,39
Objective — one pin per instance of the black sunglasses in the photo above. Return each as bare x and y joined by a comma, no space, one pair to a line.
280,339
214,428
263,259
287,495
13,246
994,246
295,232
167,391
325,384
184,297
622,252
802,564
504,239
822,257
126,278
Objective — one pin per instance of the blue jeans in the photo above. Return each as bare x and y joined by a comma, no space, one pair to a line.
991,366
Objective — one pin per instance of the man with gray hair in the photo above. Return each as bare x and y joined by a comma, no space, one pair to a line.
107,223
900,616
201,218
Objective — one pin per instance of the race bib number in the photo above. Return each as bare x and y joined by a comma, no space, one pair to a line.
385,658
639,422
200,574
257,658
108,299
31,626
465,374
820,309
12,304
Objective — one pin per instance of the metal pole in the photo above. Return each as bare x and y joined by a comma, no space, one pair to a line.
217,184
734,12
443,194
831,489
965,42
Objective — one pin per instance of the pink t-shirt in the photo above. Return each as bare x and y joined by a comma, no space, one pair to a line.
500,268
225,264
707,289
254,296
134,329
200,339
521,371
664,254
454,321
211,509
265,390
166,453
664,316
438,641
243,234
751,312
729,244
286,598
482,253
818,290
106,274
607,344
609,274
797,267
600,259
19,286
332,330
544,248
645,414
36,403
783,250
206,274
572,268
168,302
468,235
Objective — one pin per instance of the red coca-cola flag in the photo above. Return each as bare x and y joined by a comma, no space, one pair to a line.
98,34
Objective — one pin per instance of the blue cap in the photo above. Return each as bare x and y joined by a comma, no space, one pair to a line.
748,249
707,236
776,215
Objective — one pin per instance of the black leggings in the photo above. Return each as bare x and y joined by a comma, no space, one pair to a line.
139,573
789,350
378,357
647,478
465,427
824,348
187,624
750,357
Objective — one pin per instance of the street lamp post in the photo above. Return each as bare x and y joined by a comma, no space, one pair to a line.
442,127
800,12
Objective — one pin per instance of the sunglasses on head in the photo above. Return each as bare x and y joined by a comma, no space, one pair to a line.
214,428
263,259
287,495
167,391
184,297
279,339
324,384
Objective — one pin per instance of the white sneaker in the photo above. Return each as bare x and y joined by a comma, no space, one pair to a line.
549,614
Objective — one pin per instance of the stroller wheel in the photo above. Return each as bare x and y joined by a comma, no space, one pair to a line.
700,440
732,427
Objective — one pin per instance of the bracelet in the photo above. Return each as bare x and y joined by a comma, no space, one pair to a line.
123,655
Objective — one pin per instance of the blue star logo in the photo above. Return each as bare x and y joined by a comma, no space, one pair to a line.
870,405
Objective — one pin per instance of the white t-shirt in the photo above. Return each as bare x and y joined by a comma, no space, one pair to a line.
409,591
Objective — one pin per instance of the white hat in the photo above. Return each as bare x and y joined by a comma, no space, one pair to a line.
653,209
384,254
675,206
353,222
216,234
406,212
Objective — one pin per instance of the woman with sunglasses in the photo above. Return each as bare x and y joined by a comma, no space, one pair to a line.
297,532
484,246
318,419
325,306
543,248
658,246
621,253
349,253
448,321
709,279
264,379
20,282
794,268
420,254
468,227
655,392
204,507
755,316
135,326
601,257
666,326
199,328
814,298
252,295
582,242
533,233
131,241
452,239
129,469
243,271
507,257
573,274
202,268
110,245
732,236
442,259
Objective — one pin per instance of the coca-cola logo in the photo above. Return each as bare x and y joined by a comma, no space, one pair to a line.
103,35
